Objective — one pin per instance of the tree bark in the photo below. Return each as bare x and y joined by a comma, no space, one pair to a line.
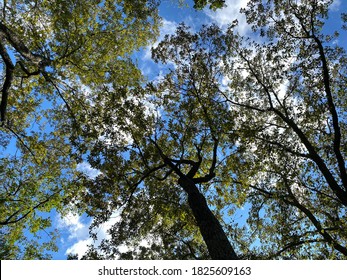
211,230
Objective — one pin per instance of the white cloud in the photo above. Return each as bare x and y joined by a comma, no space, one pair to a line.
74,225
168,27
78,233
80,247
86,168
225,16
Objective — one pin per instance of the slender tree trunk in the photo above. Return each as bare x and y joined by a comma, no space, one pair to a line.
211,230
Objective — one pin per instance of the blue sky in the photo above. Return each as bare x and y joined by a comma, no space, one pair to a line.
74,229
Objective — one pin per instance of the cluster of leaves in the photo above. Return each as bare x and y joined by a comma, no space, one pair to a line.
212,4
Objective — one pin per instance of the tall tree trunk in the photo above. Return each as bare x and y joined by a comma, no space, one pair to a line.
211,230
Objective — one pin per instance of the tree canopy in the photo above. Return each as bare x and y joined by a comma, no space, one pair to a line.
234,123
53,53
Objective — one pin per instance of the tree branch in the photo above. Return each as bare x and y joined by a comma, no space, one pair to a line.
8,81
294,244
340,193
23,143
333,112
314,221
8,220
20,47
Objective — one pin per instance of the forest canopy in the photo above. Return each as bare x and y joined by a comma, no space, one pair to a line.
252,122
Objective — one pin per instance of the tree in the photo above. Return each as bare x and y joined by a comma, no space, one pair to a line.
293,93
52,55
159,162
167,165
234,123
